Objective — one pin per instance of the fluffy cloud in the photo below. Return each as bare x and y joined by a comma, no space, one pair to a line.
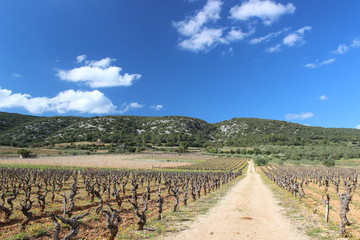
355,43
316,65
157,107
235,35
127,106
80,58
273,49
197,35
297,37
94,102
300,116
268,11
342,49
202,40
193,24
357,126
323,97
97,74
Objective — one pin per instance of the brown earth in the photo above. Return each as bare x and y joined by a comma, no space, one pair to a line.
135,161
248,211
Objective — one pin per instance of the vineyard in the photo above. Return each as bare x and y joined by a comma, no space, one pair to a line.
101,204
217,164
331,192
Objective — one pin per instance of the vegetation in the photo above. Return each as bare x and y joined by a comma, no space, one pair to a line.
324,153
332,187
261,161
135,132
218,164
24,153
114,199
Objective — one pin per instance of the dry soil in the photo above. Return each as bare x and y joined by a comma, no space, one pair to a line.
248,211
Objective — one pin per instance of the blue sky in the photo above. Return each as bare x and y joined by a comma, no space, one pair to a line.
297,61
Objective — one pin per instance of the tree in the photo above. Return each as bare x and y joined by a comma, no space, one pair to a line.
329,162
183,147
260,161
24,153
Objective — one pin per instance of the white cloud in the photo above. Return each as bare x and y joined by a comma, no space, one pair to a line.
102,63
127,106
300,116
97,74
94,102
202,40
310,65
302,30
355,43
197,36
192,25
323,97
235,35
328,61
229,52
297,37
265,38
291,39
342,49
199,33
268,11
357,126
136,105
81,58
16,75
157,107
273,49
316,65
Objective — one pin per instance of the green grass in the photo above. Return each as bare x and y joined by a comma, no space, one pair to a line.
314,232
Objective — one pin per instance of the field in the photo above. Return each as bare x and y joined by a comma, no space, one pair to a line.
130,196
330,192
37,202
130,161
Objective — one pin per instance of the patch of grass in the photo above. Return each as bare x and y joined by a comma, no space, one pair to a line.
314,232
20,236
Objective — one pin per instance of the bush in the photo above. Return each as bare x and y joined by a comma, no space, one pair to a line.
24,153
329,162
261,161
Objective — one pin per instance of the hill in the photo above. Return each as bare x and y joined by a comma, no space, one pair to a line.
250,131
23,130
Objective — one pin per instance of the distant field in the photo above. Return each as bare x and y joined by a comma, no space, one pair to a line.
353,163
134,161
6,151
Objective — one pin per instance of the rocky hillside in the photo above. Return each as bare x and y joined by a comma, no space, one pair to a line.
249,131
23,130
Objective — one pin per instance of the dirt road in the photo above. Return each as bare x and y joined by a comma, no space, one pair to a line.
248,211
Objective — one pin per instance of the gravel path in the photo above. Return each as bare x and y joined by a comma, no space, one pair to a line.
248,211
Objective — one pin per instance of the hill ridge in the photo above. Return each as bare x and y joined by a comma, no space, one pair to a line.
26,130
